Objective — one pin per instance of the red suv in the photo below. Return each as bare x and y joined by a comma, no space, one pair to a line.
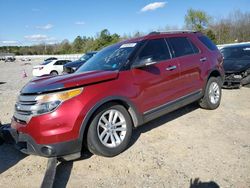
120,88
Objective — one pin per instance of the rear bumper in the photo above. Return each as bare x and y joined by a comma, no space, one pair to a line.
27,145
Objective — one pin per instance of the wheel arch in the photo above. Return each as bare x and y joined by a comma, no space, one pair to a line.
54,71
213,73
137,119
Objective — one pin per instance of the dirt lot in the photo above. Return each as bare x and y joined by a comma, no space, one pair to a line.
168,152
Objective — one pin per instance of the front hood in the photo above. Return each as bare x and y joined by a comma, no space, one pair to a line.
234,65
49,84
75,63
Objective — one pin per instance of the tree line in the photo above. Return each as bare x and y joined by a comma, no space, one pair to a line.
234,28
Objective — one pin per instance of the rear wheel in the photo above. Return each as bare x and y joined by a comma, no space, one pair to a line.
110,131
54,73
212,96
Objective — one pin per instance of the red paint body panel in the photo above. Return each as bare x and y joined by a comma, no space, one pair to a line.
145,88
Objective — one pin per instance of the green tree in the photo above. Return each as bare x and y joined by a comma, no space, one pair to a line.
196,20
65,47
77,45
211,35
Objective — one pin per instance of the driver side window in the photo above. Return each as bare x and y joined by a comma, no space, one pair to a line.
156,50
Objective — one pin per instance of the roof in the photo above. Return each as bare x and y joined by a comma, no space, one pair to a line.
220,46
236,45
157,34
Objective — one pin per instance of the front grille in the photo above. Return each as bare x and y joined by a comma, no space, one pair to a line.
24,108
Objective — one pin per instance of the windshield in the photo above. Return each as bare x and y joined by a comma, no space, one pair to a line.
85,57
110,58
236,53
46,62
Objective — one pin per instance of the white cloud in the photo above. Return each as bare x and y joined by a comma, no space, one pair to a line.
79,23
153,6
9,42
45,27
39,38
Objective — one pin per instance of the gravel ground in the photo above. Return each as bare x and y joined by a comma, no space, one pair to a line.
189,143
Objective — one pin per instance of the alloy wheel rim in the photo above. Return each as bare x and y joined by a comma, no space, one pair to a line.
214,93
111,128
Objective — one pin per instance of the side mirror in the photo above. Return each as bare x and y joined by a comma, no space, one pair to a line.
144,62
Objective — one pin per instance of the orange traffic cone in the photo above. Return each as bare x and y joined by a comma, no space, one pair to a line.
24,74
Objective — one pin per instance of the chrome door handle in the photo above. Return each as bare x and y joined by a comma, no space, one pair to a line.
203,59
171,68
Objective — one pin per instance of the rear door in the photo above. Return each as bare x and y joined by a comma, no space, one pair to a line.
189,59
58,66
157,82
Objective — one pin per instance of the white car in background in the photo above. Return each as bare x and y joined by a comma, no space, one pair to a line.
54,67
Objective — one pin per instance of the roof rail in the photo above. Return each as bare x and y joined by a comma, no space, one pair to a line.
171,31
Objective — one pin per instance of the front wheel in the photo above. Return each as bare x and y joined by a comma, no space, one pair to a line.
212,96
110,131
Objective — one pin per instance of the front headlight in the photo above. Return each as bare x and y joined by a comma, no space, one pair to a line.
49,102
237,76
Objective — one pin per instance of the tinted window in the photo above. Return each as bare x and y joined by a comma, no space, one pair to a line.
66,61
208,43
195,49
58,63
156,49
85,57
236,53
181,46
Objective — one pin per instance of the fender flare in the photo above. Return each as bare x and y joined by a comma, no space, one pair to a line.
210,73
137,118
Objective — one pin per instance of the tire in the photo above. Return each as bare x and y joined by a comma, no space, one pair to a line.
212,95
54,73
97,142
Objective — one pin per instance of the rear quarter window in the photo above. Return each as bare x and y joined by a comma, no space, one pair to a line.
208,43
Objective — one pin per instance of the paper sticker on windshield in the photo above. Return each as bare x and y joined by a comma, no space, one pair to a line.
128,45
246,49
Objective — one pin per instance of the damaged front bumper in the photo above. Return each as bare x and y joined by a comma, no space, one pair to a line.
23,142
236,80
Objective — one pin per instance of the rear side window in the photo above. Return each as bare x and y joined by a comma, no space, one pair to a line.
64,62
195,49
182,46
58,63
156,49
208,43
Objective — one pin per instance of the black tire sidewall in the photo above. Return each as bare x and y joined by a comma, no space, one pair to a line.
93,142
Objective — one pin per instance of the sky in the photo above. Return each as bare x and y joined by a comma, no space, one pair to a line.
28,22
